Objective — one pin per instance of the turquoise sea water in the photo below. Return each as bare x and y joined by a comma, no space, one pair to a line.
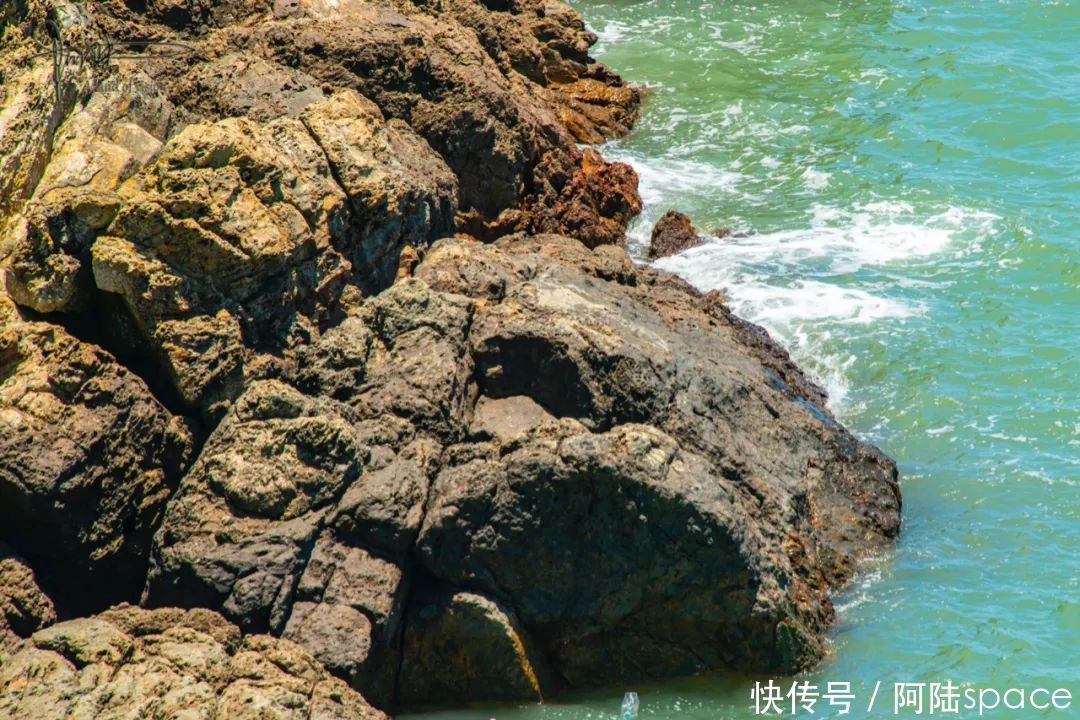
907,176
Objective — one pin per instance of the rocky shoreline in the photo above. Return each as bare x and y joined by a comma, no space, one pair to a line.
327,385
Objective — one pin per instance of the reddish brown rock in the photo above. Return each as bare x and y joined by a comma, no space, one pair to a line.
502,91
576,193
594,110
672,234
585,197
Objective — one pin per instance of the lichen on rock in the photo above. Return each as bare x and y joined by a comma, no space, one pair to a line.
129,662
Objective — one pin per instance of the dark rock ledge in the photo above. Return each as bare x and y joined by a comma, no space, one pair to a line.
326,384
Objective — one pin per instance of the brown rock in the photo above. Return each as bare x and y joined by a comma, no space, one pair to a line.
509,417
129,662
465,645
509,420
88,459
97,148
348,614
236,535
588,199
238,84
240,237
30,111
562,341
24,608
418,451
672,234
495,88
597,108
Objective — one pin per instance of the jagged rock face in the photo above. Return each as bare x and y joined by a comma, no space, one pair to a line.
241,237
88,459
637,481
30,111
581,195
232,242
133,663
500,91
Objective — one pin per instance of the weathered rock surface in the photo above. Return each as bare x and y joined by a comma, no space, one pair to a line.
24,608
133,663
500,90
632,528
88,459
672,234
240,238
578,193
465,645
631,483
232,242
30,111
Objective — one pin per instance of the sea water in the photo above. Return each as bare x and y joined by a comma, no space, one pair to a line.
903,182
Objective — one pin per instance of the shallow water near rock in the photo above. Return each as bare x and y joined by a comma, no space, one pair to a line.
902,180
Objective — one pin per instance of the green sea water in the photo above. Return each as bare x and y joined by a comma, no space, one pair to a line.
904,181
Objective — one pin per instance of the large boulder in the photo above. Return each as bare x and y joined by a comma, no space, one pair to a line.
691,476
462,644
133,663
539,453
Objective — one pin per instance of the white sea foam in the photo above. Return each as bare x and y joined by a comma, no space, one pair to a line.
859,592
797,282
815,179
664,178
610,34
748,46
